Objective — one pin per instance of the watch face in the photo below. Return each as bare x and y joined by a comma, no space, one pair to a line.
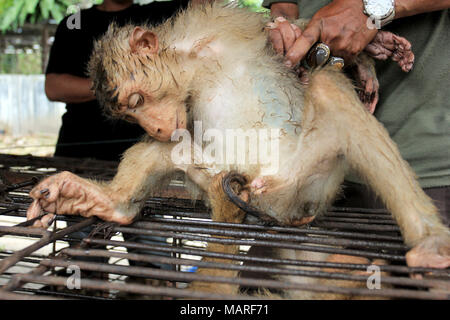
378,8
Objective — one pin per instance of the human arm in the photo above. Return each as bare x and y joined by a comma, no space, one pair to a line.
68,88
343,26
406,8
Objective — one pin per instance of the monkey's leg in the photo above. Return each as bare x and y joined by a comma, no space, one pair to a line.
222,211
369,150
143,169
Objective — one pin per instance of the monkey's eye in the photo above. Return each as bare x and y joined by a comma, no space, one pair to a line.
135,100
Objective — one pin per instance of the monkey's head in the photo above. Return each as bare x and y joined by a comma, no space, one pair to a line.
135,79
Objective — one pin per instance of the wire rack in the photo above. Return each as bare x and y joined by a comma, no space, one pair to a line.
156,257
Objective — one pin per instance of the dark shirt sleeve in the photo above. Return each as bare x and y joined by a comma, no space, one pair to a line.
268,3
64,53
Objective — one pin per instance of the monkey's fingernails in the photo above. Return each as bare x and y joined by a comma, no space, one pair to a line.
45,192
280,19
271,25
48,220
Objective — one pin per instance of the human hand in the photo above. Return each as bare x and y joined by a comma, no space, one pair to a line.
342,25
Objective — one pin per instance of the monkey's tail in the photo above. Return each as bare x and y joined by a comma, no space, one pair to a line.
374,156
225,288
222,211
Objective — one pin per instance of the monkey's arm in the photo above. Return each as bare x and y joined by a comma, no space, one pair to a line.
143,169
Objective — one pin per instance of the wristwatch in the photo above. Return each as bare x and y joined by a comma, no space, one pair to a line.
380,11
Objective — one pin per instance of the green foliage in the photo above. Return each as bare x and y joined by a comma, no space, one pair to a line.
15,13
20,63
254,5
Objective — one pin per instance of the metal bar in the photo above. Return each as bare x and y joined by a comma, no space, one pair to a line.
260,228
273,244
274,284
16,283
279,237
63,294
359,215
5,211
12,187
132,288
24,231
356,226
15,296
13,259
425,283
357,220
269,261
362,210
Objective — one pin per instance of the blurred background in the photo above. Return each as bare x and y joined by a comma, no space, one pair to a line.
29,122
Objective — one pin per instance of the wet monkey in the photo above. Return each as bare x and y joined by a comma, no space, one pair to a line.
213,65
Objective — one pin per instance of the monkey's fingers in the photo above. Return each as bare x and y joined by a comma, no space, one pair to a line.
46,189
45,221
66,193
388,45
287,32
36,213
283,34
277,41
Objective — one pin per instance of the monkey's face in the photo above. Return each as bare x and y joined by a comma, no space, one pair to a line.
159,117
132,80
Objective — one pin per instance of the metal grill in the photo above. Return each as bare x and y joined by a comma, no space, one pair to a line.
115,263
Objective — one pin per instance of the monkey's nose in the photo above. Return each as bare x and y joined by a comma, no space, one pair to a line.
162,135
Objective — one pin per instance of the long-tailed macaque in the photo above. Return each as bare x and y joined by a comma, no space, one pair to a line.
210,70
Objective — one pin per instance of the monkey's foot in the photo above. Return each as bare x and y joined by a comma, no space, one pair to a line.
368,83
66,193
388,45
258,186
432,252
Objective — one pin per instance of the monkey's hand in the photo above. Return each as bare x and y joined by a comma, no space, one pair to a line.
66,193
432,252
388,45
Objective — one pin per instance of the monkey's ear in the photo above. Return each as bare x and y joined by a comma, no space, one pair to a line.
143,40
